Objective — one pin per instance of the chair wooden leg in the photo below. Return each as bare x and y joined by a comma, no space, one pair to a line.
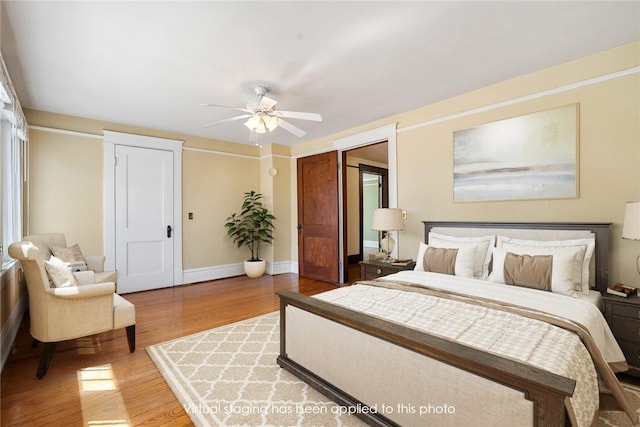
45,360
131,337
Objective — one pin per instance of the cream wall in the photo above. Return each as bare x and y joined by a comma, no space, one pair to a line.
285,222
609,149
212,190
65,179
609,157
275,173
65,188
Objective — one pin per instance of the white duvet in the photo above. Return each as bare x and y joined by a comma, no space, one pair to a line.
577,310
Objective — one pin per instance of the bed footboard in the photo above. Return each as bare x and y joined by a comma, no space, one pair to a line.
389,374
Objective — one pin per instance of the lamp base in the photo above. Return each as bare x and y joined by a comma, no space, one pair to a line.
386,245
387,260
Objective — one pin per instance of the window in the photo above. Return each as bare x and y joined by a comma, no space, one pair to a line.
11,174
13,149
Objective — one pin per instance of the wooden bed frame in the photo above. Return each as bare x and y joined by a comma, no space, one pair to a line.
546,391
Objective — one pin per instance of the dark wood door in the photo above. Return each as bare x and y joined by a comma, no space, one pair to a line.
318,241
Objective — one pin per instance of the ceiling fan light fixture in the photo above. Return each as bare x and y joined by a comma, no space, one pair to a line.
252,122
271,122
262,115
260,124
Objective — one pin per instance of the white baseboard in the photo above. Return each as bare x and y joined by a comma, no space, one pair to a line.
282,267
204,274
11,327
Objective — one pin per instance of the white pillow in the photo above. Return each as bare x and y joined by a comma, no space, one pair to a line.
483,251
465,259
59,273
566,271
510,244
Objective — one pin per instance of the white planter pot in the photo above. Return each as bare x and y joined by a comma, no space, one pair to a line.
254,269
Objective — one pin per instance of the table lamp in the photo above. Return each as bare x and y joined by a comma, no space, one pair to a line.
386,220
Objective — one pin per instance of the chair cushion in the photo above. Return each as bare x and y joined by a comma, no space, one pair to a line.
124,313
59,273
85,277
106,276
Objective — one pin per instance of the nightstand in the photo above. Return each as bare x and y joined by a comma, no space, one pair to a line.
623,317
370,270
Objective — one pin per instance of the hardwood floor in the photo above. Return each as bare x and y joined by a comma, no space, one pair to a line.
96,381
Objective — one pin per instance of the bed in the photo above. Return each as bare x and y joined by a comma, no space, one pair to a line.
392,353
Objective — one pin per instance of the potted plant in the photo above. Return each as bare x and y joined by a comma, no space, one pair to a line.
252,226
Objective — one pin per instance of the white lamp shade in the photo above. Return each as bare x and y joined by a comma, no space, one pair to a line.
252,122
260,124
387,219
631,227
271,122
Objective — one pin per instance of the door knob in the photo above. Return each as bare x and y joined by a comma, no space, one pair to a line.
169,231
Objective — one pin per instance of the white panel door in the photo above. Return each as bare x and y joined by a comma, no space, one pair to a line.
144,218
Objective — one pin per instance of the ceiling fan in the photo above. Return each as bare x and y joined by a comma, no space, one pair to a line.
262,116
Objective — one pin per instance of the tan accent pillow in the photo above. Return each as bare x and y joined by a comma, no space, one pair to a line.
529,271
550,247
59,273
483,245
70,254
440,260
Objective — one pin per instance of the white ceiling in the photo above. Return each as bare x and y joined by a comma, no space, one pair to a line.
151,64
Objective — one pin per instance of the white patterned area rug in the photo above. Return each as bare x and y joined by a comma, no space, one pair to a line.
617,418
228,376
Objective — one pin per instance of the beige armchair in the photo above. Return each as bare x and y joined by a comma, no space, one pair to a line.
70,312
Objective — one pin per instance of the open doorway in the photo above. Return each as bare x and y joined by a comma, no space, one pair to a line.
382,143
366,189
374,194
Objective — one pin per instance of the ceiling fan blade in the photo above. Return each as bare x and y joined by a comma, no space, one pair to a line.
291,128
230,119
228,107
299,115
267,103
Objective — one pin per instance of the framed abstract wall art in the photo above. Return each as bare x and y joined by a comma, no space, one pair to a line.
534,156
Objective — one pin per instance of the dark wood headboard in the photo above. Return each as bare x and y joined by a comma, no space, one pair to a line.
599,229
